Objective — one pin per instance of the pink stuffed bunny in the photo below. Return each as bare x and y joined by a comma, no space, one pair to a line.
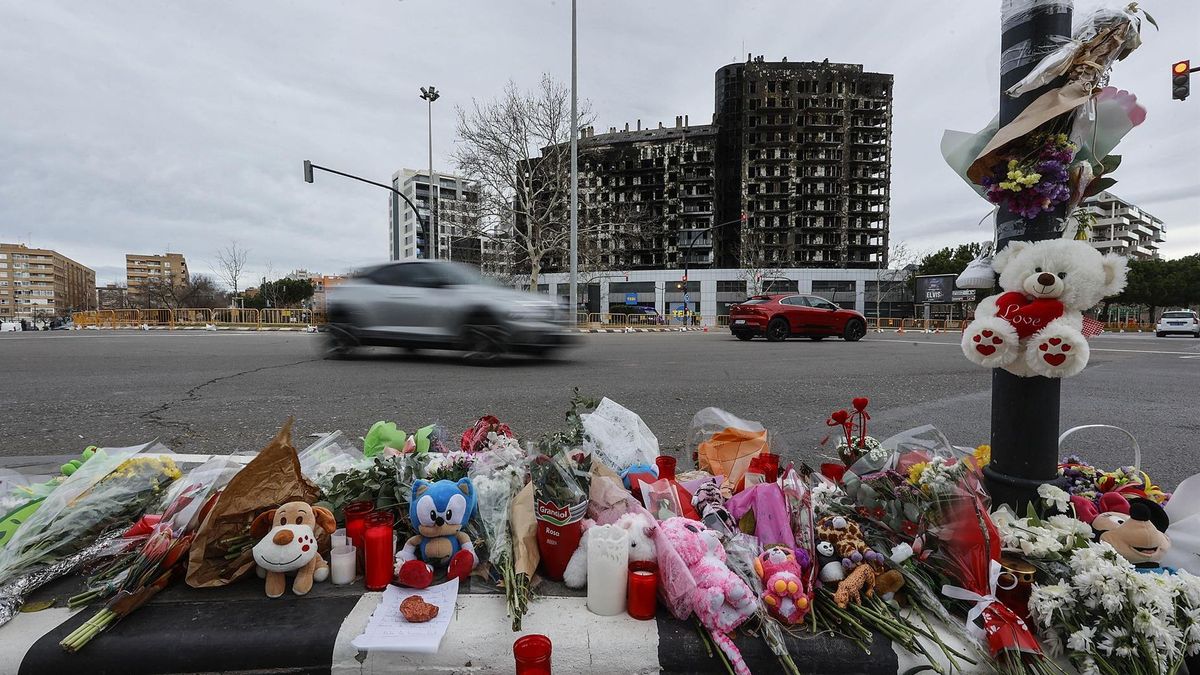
722,601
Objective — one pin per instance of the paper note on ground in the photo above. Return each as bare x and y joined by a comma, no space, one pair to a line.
387,630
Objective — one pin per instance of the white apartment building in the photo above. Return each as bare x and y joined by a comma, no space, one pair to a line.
1122,227
454,214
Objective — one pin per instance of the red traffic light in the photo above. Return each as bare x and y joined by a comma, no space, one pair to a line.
1181,68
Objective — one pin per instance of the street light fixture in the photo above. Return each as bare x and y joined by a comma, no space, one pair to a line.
308,178
429,95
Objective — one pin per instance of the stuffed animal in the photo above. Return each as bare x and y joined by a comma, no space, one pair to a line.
288,543
782,574
722,601
1140,537
640,528
439,511
858,583
636,474
1035,326
710,504
847,543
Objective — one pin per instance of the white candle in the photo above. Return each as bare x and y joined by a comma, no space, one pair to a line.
607,570
338,538
341,564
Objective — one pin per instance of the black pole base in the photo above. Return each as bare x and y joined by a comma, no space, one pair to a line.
1024,438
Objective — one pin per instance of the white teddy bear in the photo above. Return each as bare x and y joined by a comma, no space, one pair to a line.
1034,326
641,546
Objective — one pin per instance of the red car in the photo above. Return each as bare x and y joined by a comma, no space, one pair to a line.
778,317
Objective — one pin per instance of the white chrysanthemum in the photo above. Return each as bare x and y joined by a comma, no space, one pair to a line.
1052,495
1081,640
1087,666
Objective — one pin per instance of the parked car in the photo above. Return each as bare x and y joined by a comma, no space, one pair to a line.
440,305
638,314
1183,321
780,316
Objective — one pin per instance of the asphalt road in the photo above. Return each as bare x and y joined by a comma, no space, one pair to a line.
221,392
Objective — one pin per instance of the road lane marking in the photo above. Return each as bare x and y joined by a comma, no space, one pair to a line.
1095,349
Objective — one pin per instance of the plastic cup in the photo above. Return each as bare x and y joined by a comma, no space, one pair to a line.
342,564
339,538
532,654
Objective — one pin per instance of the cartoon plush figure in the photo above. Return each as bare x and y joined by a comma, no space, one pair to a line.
438,511
640,528
710,504
288,543
722,601
1140,537
782,573
1035,326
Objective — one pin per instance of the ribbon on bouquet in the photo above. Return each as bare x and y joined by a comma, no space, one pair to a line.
982,602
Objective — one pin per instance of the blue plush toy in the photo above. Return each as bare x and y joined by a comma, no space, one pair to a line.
438,511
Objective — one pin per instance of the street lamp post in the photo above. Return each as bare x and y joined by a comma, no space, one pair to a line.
308,178
1025,410
574,285
430,95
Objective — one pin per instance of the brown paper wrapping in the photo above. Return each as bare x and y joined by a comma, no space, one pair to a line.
270,479
1091,62
524,533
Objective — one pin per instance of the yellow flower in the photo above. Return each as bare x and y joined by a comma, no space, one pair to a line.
983,455
1012,164
915,471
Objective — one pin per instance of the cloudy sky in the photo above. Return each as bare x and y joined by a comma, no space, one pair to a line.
147,126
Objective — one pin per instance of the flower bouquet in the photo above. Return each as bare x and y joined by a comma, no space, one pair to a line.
499,472
1116,620
162,557
478,437
106,493
1033,178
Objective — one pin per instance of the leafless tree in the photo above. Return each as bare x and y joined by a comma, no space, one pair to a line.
891,282
231,262
198,291
517,148
758,266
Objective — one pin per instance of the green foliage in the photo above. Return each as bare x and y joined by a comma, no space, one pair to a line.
573,436
1163,283
949,260
282,293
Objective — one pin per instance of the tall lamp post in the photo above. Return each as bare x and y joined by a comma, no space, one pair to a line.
574,284
430,94
1025,410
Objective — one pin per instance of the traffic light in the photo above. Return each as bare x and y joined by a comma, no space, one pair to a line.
308,171
1181,74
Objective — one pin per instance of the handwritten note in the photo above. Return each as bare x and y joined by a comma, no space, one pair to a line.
388,631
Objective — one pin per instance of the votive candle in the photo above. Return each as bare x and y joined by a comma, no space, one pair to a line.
642,598
532,654
342,563
379,551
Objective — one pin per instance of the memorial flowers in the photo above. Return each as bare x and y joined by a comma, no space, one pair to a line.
1034,178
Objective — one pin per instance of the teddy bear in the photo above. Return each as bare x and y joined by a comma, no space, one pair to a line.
1035,326
640,528
288,543
841,548
439,511
1140,537
782,574
721,600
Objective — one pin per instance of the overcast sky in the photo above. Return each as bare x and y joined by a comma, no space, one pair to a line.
147,126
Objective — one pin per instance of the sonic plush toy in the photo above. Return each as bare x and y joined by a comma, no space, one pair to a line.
438,511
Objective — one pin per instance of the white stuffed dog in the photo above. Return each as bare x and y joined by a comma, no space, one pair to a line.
1034,326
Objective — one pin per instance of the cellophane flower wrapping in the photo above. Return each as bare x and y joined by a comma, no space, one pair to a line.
1109,618
561,483
107,492
329,456
618,437
499,471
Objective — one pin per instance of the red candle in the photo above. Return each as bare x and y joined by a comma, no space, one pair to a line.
666,466
532,654
356,521
642,594
379,551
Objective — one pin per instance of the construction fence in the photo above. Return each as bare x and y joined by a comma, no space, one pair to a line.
253,319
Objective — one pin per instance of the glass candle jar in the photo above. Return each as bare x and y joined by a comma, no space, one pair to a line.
666,466
356,524
532,653
642,598
379,551
342,563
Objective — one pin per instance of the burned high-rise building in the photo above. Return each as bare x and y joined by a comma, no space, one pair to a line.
794,171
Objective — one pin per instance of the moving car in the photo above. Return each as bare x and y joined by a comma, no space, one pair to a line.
780,316
1183,321
426,304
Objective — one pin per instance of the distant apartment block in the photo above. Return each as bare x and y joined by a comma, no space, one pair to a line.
1124,228
40,283
454,211
142,271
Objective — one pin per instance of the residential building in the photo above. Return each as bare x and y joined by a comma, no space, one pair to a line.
455,203
794,171
321,283
38,283
145,271
112,296
1124,228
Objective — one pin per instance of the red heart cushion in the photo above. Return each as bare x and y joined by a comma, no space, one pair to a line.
1027,316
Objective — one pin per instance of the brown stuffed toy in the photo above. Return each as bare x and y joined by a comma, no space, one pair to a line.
288,543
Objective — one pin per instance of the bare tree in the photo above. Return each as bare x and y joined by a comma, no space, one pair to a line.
517,148
759,265
891,282
231,262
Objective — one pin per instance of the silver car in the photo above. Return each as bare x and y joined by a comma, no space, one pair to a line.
440,305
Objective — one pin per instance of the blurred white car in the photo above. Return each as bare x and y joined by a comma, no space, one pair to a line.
441,305
1183,321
